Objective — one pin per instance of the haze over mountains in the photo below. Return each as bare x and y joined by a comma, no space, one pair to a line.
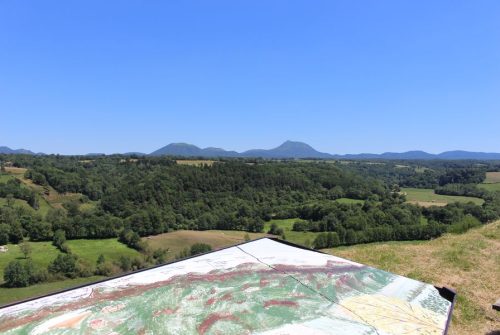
289,149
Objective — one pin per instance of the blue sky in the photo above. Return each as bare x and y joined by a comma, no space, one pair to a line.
343,76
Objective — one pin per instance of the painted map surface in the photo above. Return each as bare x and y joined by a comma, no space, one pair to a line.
261,287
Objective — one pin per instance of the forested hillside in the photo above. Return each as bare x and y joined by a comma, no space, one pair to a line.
146,196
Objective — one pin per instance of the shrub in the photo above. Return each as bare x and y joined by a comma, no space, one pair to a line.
199,248
16,275
463,225
125,263
64,264
131,239
4,233
300,226
36,274
84,268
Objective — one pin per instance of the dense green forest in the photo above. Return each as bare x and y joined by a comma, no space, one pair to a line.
131,197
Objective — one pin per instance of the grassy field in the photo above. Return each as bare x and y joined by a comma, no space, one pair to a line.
492,182
4,178
349,201
178,240
44,252
492,178
303,238
110,248
490,187
427,197
16,171
469,263
195,162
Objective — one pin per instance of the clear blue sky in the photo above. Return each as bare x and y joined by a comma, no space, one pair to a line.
343,76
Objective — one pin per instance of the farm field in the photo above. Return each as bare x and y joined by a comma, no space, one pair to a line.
349,201
427,197
195,162
298,237
463,261
492,178
492,182
490,187
176,241
110,248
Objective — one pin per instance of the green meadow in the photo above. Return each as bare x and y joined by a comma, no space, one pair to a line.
42,253
428,197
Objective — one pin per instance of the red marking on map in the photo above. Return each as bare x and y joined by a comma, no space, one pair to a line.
342,280
97,324
226,297
210,301
287,303
112,309
166,311
212,319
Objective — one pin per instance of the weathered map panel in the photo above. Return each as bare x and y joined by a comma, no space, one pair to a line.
261,287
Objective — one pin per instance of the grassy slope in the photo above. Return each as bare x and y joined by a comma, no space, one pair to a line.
428,196
469,263
17,203
54,199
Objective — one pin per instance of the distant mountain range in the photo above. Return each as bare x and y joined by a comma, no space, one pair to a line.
7,150
289,149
